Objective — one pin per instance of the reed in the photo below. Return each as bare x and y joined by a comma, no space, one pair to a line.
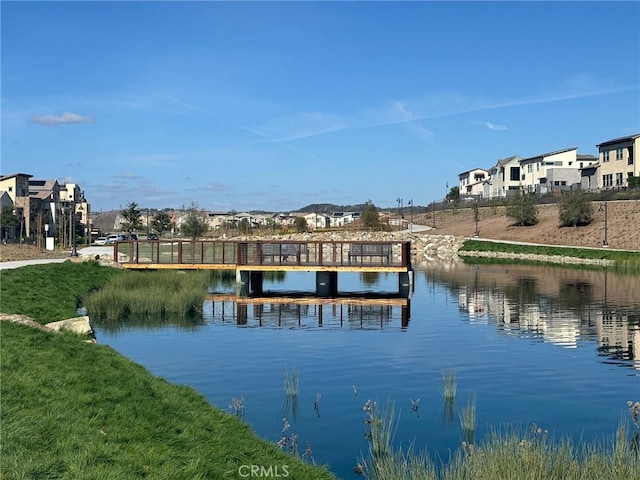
151,294
382,428
291,382
468,420
449,383
398,465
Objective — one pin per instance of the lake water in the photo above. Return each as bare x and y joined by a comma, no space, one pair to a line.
558,347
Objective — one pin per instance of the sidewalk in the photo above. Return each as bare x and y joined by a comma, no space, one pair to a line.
83,253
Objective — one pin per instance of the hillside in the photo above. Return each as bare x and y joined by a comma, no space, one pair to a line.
623,226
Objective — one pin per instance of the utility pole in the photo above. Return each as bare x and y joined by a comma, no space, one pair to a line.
410,215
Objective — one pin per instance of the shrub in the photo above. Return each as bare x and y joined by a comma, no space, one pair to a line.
575,210
522,209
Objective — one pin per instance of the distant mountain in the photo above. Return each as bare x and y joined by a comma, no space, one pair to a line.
330,208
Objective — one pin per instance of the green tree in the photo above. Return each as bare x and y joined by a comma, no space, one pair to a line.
522,209
161,222
244,226
194,224
574,209
634,182
453,195
300,224
370,217
132,217
8,220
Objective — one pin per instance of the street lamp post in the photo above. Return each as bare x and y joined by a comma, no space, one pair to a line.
410,215
74,251
605,242
476,214
433,205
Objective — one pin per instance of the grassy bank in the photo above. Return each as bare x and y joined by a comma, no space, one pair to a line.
52,291
75,410
623,260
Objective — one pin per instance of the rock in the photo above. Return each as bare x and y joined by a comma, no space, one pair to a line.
79,325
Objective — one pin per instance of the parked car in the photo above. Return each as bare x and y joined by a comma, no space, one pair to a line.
100,241
114,237
153,236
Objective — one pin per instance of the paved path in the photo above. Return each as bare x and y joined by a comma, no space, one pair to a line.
82,252
24,263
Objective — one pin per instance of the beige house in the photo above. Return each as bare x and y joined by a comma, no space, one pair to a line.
504,178
618,159
559,170
16,187
317,220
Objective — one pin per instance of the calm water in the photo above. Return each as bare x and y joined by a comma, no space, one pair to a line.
557,347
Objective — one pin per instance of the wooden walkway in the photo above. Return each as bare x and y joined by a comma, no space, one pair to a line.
329,256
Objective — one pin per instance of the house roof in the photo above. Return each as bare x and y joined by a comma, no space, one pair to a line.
6,177
473,170
504,161
628,138
525,160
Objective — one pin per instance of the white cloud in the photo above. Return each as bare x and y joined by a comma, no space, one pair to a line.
491,126
428,106
56,120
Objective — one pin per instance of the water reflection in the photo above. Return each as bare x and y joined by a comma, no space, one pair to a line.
559,306
289,310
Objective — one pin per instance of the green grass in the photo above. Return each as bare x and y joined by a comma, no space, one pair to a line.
623,260
291,382
449,384
52,292
73,410
511,455
153,294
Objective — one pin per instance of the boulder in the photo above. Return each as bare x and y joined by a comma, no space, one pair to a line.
79,325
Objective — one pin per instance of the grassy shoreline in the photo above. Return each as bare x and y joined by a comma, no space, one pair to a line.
75,410
619,259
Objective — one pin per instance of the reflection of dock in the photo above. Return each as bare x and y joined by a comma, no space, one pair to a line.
359,312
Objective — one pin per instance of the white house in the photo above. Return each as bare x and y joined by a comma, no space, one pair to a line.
472,181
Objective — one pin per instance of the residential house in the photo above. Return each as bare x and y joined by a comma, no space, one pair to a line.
45,200
17,188
339,219
618,161
504,178
471,182
317,220
559,170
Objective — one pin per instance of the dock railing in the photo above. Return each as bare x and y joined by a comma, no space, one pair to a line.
267,253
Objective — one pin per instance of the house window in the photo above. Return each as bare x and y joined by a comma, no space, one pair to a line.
630,159
530,168
563,183
523,176
607,180
556,183
514,174
619,178
605,156
618,154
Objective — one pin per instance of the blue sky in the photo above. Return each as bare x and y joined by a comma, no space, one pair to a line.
278,105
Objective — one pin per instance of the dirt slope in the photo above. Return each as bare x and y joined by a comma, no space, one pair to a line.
623,226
